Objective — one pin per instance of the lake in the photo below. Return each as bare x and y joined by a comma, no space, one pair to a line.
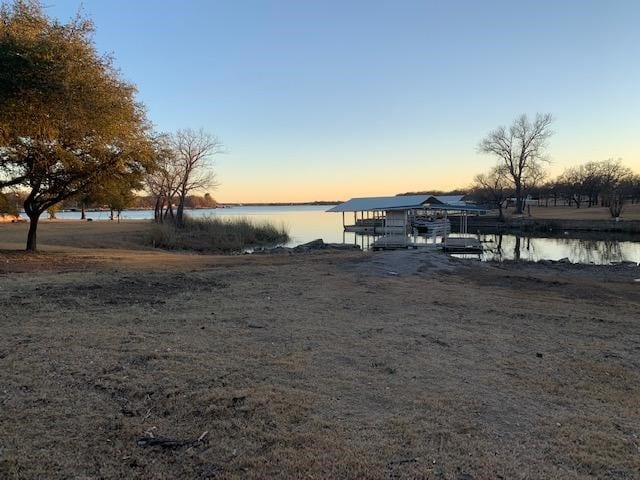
308,222
576,250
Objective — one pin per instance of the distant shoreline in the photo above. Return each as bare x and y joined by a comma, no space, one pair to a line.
221,205
281,204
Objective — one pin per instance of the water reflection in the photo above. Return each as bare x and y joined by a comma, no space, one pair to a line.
576,250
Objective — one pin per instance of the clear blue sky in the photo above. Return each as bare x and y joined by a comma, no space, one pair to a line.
333,99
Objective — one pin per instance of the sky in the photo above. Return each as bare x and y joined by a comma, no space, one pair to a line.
327,100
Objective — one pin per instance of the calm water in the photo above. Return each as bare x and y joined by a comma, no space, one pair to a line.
512,247
306,223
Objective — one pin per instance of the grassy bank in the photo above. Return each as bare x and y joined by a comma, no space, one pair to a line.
217,235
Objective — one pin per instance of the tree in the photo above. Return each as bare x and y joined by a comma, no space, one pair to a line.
116,193
617,184
492,188
118,197
53,212
67,119
163,181
550,189
531,182
194,152
635,189
574,184
521,149
208,201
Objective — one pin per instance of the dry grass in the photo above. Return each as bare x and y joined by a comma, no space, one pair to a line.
217,235
203,235
630,212
74,234
307,367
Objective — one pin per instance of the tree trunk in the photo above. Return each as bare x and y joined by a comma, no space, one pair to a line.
518,197
180,213
32,240
83,214
169,211
157,211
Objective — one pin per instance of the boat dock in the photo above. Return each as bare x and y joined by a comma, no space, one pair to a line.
411,221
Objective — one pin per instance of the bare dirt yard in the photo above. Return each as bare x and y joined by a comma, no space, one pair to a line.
133,363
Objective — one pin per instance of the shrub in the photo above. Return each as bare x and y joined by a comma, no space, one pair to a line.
211,234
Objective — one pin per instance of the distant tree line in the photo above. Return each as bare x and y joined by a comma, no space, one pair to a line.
113,203
607,183
520,173
437,193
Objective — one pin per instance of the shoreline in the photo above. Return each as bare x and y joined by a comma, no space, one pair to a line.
136,234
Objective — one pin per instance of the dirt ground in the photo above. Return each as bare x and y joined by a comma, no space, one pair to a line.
121,363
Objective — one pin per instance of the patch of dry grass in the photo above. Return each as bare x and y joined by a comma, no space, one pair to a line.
630,212
217,235
306,368
76,234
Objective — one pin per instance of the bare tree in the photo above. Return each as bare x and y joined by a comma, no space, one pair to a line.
574,184
521,149
194,152
635,189
492,188
617,185
162,182
534,179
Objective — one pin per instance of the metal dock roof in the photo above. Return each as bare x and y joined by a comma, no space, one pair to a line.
367,204
404,202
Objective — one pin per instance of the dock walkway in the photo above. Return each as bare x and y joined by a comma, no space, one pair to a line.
395,242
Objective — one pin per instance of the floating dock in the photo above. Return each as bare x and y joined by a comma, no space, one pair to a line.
397,242
462,245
